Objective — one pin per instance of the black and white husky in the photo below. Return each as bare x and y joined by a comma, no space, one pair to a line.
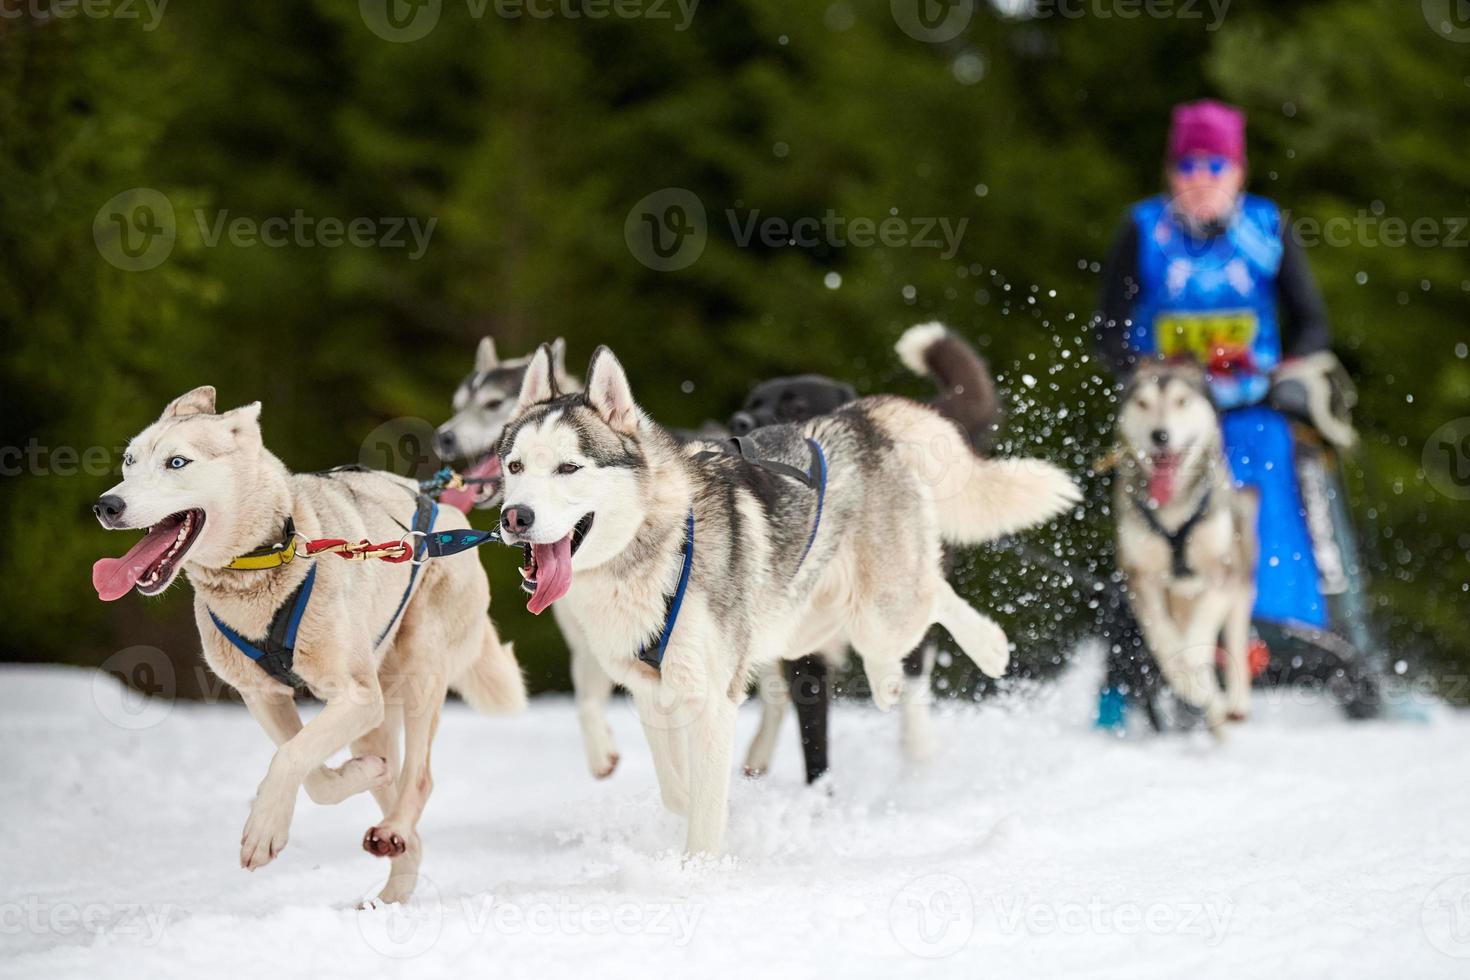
687,571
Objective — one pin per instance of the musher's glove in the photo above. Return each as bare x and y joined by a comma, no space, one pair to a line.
1316,390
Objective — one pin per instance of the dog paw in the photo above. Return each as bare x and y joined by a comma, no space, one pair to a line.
384,841
360,773
398,889
992,653
1236,716
754,772
265,834
603,768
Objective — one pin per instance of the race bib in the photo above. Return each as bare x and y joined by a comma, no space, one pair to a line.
1206,336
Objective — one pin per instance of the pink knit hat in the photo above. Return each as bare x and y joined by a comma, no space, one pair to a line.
1207,127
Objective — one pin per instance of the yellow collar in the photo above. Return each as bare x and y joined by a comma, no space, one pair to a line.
271,555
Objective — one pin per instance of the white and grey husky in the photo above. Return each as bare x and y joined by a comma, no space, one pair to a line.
379,643
687,571
1186,536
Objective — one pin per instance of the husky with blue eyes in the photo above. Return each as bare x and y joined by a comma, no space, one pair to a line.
689,569
380,643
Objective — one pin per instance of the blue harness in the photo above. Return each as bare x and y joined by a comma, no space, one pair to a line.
654,655
276,652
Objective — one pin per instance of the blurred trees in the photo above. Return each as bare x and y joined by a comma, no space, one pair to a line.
528,141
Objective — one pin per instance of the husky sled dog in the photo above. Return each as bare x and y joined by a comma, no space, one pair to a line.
1186,536
689,571
483,403
380,643
966,394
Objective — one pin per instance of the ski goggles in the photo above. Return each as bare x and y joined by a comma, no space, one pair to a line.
1200,163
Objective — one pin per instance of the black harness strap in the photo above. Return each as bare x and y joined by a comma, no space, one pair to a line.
1179,538
745,449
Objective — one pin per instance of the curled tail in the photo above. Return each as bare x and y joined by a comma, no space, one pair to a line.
966,391
492,683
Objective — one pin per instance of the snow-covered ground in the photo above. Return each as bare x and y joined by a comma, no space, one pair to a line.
1031,846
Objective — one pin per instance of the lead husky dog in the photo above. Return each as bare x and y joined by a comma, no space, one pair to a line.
209,492
1186,536
688,572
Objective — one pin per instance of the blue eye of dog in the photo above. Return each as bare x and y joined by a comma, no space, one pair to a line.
177,462
566,469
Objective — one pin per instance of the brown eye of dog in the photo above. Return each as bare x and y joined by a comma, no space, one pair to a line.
515,466
566,469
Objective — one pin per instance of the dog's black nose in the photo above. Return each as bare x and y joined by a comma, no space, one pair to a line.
517,518
446,445
1160,437
742,423
109,509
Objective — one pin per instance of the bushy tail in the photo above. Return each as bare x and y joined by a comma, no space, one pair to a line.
975,499
966,391
493,682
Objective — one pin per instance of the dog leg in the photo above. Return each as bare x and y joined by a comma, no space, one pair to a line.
774,696
356,707
712,746
383,741
592,689
1237,659
1189,667
276,712
664,727
397,836
918,731
982,640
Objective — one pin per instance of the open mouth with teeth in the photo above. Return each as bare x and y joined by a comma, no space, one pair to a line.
547,568
483,483
1162,476
150,564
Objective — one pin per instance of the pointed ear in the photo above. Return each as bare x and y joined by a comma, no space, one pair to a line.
244,422
200,401
609,394
485,359
559,360
539,385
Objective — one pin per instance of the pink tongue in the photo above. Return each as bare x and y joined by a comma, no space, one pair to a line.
553,573
1161,483
464,499
113,577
